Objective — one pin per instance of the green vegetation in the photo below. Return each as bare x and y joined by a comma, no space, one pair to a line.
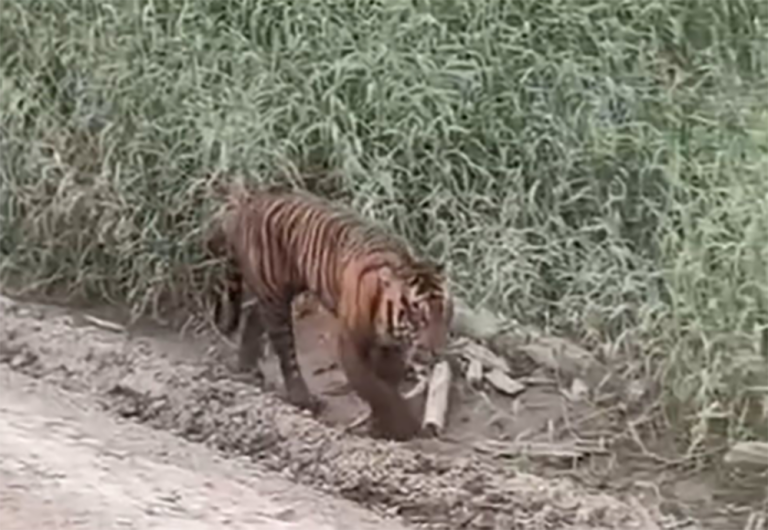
597,166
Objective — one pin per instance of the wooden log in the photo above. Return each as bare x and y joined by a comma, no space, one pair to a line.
566,450
474,373
104,324
503,383
436,408
752,453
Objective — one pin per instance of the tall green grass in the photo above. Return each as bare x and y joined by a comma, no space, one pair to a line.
597,166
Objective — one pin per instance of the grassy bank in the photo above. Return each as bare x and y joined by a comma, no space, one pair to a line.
600,167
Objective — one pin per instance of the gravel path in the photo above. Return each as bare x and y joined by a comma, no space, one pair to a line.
65,465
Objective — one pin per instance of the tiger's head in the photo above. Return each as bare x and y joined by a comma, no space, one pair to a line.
415,308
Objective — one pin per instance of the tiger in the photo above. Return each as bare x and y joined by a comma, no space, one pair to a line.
280,243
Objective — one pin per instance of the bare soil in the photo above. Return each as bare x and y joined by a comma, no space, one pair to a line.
184,385
65,464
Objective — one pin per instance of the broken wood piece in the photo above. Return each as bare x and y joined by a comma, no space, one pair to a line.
104,324
470,349
438,392
503,383
475,373
562,450
753,453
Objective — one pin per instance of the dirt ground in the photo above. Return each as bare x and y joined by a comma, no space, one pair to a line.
182,387
64,464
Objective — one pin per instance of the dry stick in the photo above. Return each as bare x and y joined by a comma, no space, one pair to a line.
495,340
437,398
756,521
471,350
475,373
564,450
104,324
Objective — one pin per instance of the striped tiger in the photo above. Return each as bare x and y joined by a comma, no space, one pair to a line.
282,243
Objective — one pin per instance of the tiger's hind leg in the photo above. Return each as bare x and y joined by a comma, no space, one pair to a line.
252,342
279,324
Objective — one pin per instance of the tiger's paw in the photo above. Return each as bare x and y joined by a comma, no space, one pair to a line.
299,395
403,428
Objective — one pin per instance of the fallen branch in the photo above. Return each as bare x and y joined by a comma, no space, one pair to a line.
503,383
436,407
753,453
104,324
563,450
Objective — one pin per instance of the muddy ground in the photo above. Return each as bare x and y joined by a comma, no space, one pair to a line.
183,385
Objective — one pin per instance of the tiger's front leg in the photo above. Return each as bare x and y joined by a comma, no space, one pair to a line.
279,325
374,374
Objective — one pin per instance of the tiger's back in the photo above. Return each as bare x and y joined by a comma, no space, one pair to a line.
293,242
